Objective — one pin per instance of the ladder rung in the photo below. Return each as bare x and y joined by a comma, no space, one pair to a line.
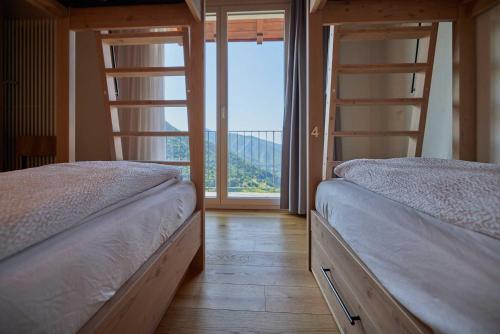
375,133
382,68
151,134
385,33
142,38
148,103
369,102
145,72
172,163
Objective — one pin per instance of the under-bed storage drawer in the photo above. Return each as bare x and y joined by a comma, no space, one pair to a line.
342,296
351,291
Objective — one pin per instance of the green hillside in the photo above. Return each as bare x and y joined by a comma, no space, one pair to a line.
245,175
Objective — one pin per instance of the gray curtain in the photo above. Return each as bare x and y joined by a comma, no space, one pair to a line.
294,149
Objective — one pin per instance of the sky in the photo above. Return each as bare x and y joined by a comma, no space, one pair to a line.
255,86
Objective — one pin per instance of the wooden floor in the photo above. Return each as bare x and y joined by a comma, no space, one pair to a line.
255,280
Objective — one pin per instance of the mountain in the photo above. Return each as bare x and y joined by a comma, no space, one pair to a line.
251,160
257,151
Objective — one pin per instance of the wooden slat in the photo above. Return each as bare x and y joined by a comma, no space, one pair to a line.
315,114
127,17
120,39
386,11
385,33
381,68
151,134
168,163
426,92
331,101
194,60
28,108
386,102
147,103
464,87
62,93
375,133
144,72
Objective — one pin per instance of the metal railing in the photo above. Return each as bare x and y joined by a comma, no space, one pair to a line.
254,161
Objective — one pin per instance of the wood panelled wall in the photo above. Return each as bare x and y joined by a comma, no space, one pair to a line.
28,85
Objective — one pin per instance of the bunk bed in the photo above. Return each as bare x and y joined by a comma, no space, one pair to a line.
353,230
163,218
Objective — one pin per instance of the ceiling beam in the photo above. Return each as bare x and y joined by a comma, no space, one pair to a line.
195,8
315,5
386,11
125,17
478,7
50,7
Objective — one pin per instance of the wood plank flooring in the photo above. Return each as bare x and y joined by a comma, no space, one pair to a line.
255,281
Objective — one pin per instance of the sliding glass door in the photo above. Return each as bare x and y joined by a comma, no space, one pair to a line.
245,62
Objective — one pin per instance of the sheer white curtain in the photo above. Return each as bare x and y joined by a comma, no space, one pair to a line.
153,88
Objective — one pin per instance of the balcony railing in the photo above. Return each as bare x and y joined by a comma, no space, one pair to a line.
254,162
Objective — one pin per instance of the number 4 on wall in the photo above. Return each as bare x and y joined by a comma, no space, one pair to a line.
315,132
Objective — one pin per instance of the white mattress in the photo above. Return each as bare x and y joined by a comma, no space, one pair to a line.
57,285
447,276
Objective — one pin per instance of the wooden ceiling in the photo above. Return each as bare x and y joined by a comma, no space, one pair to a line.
60,8
249,30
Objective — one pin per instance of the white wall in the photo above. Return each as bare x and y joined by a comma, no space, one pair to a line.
438,130
488,86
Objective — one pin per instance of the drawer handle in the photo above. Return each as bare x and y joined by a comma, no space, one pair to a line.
351,318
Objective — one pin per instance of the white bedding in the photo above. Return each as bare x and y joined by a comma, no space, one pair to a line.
463,193
57,285
37,203
447,276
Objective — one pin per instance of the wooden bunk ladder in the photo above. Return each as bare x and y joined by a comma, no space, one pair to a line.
109,73
335,68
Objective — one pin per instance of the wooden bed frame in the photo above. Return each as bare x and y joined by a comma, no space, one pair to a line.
140,303
357,287
366,305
